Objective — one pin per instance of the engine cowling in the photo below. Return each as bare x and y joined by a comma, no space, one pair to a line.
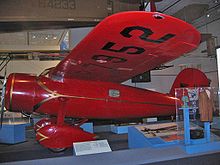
20,92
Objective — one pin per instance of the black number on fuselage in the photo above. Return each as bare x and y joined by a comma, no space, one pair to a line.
147,32
138,50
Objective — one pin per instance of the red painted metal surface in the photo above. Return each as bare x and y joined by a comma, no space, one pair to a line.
44,122
190,78
53,136
84,86
91,99
87,99
127,44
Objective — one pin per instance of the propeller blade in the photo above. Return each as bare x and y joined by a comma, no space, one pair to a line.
3,101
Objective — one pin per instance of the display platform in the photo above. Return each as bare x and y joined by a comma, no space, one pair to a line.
153,135
117,129
88,127
120,129
31,152
196,112
13,132
209,141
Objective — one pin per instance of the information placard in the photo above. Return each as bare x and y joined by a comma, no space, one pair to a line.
91,147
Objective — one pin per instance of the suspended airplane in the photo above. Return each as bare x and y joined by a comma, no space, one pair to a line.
86,83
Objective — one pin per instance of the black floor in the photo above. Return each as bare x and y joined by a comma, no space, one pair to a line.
30,149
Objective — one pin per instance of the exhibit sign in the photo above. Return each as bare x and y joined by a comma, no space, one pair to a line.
91,147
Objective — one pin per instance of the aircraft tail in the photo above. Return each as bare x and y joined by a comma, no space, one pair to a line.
190,77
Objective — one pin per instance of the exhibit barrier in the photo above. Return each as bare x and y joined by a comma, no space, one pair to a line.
197,119
195,110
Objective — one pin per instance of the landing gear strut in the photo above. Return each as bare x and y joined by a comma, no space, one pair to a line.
58,135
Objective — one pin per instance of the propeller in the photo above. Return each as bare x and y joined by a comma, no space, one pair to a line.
3,100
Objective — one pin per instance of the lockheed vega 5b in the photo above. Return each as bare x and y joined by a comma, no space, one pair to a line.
86,83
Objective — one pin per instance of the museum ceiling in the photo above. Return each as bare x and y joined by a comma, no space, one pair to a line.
32,27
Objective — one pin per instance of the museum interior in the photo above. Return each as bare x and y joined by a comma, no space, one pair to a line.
109,82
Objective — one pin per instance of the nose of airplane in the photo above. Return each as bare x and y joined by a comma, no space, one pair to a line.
8,92
20,92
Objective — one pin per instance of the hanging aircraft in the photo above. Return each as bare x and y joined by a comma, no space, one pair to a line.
86,83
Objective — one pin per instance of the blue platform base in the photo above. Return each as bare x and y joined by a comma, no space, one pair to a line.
12,133
198,148
102,128
136,139
88,127
119,129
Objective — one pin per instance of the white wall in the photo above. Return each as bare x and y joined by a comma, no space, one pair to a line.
30,66
35,66
77,34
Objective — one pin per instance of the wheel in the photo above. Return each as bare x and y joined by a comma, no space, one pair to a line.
56,150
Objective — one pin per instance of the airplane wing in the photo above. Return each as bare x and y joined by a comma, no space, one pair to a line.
126,44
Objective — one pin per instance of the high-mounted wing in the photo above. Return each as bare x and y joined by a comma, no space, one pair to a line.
126,44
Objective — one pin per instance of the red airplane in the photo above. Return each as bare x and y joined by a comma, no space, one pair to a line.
86,84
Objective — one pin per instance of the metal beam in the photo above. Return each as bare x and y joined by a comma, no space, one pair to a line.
22,15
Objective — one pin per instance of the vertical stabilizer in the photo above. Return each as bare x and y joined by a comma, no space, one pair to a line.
189,77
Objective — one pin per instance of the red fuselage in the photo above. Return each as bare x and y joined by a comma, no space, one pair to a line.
84,99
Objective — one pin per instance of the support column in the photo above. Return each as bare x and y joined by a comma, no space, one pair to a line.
62,111
207,131
186,126
218,65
